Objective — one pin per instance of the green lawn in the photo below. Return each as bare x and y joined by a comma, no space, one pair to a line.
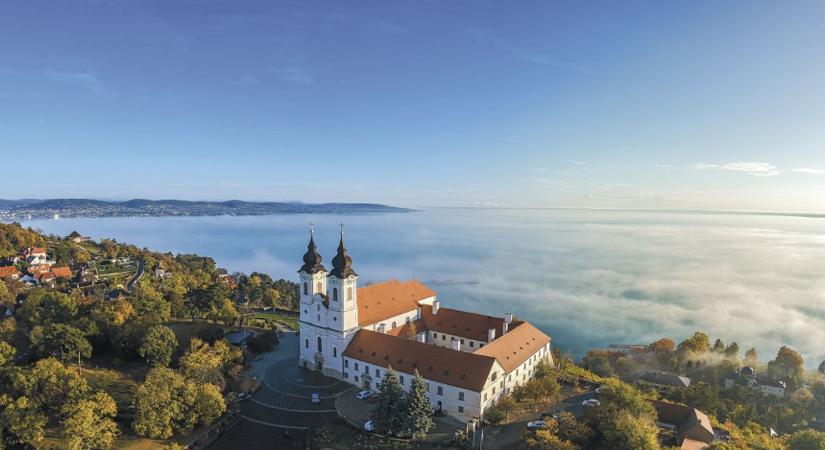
291,322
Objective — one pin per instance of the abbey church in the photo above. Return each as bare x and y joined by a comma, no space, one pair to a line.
354,333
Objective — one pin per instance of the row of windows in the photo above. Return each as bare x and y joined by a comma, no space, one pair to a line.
439,389
444,338
320,346
334,291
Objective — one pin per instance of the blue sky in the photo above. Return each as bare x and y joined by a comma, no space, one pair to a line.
709,105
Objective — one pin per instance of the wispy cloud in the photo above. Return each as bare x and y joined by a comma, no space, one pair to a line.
758,169
294,75
809,171
86,78
664,166
578,163
522,53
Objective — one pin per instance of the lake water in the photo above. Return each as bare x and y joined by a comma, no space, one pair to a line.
587,278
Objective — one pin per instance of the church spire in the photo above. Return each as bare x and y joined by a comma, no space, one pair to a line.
312,259
342,263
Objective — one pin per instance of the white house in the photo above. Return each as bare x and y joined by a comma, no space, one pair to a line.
355,333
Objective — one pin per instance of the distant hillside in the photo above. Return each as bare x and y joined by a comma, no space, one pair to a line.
70,207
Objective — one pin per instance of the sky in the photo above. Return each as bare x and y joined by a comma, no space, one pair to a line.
664,105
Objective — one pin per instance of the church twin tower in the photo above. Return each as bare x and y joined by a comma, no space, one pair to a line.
329,309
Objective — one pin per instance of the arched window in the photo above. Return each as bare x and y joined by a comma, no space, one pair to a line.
320,348
306,343
349,294
318,287
334,352
305,289
335,294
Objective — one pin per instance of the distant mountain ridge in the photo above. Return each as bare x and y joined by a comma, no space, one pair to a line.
82,207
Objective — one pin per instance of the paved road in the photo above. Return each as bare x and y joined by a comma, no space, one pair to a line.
509,435
138,274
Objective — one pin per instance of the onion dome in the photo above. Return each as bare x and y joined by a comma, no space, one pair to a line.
342,263
312,259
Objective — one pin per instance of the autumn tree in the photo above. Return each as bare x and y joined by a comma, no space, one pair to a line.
718,346
787,366
6,297
159,344
732,350
692,347
149,303
206,363
168,402
89,423
61,341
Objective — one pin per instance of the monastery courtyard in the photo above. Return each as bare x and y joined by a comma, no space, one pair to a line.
281,411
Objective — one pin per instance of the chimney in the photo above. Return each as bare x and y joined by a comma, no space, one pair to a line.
491,334
508,318
419,312
421,337
436,305
381,329
455,344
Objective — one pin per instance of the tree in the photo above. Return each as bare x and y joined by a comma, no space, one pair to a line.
21,422
571,429
732,350
62,341
7,353
167,402
625,431
159,344
547,440
807,439
719,346
50,384
8,328
149,304
821,368
787,366
751,357
206,363
88,424
272,298
419,409
411,331
690,348
390,410
6,297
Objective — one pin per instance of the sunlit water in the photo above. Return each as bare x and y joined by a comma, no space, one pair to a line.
587,278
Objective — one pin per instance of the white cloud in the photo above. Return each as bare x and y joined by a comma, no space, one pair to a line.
578,163
809,171
758,169
664,166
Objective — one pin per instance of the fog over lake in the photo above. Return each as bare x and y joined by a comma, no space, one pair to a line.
587,278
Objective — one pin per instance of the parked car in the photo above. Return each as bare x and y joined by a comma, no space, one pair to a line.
369,426
536,425
599,390
363,395
591,403
316,398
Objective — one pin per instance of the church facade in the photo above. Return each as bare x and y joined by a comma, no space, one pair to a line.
355,333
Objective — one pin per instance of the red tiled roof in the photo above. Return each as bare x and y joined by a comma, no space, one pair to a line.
440,364
9,271
516,346
62,272
461,323
382,301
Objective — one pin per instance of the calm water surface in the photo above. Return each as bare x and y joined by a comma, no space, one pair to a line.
587,278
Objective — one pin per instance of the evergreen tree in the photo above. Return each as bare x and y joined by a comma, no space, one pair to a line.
751,356
719,346
390,410
419,409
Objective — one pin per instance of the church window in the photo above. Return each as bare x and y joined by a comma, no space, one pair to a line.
318,287
440,390
305,289
320,347
401,379
318,307
335,294
356,366
346,364
334,319
377,372
349,294
334,352
306,343
461,396
461,409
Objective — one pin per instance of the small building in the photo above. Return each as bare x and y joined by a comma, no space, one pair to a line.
771,387
663,380
9,272
691,427
76,237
